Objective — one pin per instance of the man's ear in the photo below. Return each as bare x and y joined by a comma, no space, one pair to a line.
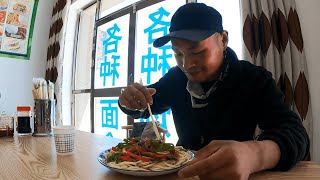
225,39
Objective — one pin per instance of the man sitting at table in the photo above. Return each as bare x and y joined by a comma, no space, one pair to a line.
218,101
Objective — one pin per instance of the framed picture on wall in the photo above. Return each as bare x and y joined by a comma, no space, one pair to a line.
16,27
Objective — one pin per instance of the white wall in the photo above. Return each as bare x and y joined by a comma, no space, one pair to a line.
16,75
309,19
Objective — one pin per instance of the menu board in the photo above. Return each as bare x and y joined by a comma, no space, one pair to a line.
16,26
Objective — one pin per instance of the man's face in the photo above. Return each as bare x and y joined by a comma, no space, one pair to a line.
200,61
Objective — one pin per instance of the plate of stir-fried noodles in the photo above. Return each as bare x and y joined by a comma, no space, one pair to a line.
145,157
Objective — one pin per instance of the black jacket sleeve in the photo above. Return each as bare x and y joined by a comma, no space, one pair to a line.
279,123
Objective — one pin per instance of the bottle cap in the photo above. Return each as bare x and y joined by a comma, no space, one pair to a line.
23,108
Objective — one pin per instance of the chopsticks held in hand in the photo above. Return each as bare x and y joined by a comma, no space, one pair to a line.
155,128
154,125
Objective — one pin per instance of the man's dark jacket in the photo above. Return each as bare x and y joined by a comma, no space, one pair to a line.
247,98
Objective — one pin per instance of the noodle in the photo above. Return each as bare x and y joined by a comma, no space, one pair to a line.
184,157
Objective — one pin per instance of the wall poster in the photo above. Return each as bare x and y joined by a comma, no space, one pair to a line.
16,27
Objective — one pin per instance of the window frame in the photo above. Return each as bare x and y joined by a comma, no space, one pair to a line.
74,64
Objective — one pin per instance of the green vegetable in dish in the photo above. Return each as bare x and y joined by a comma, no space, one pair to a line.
115,157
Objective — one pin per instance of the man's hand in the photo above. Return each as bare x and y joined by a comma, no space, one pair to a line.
136,97
232,159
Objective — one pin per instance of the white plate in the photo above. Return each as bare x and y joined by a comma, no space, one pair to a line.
102,160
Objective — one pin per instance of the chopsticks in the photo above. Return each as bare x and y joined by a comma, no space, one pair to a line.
155,128
154,125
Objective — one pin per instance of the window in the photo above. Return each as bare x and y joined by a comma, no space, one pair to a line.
153,63
111,72
82,70
119,63
111,64
153,22
123,54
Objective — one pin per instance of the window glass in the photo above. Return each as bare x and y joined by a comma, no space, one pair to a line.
109,118
230,12
84,49
82,112
153,22
108,7
111,68
153,63
82,71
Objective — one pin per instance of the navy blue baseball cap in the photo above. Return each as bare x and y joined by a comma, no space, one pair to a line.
193,22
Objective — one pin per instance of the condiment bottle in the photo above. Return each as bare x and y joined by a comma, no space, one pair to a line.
24,118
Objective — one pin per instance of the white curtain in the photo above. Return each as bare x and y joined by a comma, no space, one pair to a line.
55,52
272,39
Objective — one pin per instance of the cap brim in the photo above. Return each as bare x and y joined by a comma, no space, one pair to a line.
191,35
